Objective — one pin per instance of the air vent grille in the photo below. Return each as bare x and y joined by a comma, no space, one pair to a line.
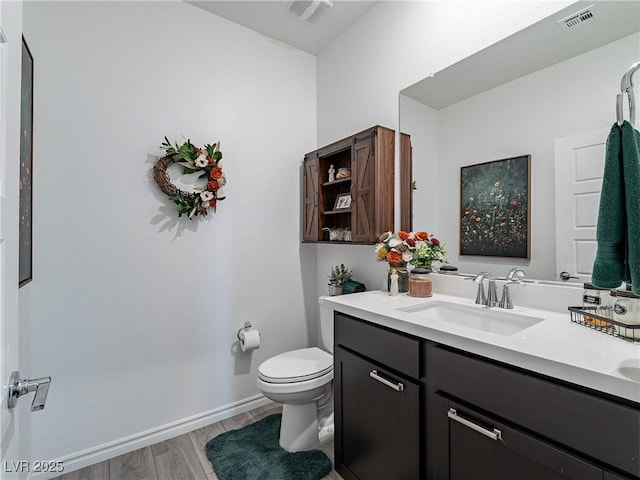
586,15
309,10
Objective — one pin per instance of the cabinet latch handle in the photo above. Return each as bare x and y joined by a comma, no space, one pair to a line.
493,435
398,387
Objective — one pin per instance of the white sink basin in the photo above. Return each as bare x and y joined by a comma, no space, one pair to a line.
630,368
494,320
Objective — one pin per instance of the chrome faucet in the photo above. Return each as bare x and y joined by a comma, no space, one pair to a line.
515,273
491,298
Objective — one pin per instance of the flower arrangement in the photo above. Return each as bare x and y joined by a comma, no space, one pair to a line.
415,248
193,159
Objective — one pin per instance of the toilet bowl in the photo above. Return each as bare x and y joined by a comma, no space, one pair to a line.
302,381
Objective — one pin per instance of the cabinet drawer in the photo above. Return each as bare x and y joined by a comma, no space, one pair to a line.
393,349
598,427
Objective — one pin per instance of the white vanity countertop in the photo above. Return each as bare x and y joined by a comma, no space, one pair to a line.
555,347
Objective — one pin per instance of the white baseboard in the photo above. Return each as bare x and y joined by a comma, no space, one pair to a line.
100,453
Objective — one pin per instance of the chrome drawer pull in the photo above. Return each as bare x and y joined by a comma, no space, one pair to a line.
398,387
494,435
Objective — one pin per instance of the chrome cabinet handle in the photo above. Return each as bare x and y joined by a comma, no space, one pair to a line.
493,435
398,387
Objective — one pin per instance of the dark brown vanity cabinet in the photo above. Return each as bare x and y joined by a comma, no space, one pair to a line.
369,188
407,408
377,402
487,420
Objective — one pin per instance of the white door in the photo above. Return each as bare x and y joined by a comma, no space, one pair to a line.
10,55
579,164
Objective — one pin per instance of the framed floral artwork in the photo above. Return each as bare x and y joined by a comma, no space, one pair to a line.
495,208
25,208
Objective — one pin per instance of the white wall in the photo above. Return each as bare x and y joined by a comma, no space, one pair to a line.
395,45
134,312
421,123
522,117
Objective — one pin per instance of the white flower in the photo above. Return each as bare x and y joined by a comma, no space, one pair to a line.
206,196
394,242
407,255
222,181
202,161
219,194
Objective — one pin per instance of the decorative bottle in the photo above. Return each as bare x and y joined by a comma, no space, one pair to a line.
393,287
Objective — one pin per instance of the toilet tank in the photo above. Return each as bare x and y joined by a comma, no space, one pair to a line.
325,325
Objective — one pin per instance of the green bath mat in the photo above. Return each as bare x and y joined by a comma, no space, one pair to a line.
253,453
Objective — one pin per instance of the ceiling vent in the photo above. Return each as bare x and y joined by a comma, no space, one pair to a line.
586,15
309,10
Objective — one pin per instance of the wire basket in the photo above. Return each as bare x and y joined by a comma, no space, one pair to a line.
587,317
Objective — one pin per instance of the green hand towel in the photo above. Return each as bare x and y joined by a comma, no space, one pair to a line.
618,231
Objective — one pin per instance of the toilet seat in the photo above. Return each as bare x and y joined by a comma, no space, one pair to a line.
296,366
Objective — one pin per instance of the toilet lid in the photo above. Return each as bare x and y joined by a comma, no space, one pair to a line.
296,366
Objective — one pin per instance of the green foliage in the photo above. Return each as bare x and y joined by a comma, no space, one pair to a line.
340,275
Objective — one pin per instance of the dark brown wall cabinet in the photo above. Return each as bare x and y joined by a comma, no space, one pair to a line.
370,157
406,408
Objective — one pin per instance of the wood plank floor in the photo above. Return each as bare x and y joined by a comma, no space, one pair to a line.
182,457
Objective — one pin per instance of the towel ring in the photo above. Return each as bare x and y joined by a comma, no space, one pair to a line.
626,86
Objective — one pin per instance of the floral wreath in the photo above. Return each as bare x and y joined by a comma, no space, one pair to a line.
193,159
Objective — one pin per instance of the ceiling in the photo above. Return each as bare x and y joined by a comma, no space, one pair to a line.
272,19
538,46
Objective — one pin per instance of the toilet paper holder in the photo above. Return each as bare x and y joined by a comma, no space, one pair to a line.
247,326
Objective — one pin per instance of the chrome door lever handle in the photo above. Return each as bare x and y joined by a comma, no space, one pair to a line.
564,276
18,388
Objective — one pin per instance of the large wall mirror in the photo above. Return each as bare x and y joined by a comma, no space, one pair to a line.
548,91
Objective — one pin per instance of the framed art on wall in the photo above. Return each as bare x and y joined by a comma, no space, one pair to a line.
495,214
25,229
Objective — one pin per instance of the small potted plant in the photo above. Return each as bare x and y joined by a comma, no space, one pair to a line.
339,276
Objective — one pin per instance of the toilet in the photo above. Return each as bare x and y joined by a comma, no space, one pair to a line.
302,381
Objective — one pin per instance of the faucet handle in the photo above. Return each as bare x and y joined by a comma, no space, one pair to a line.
480,277
505,301
481,298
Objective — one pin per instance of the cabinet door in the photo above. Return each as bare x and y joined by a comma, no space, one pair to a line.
377,421
310,201
483,448
363,191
